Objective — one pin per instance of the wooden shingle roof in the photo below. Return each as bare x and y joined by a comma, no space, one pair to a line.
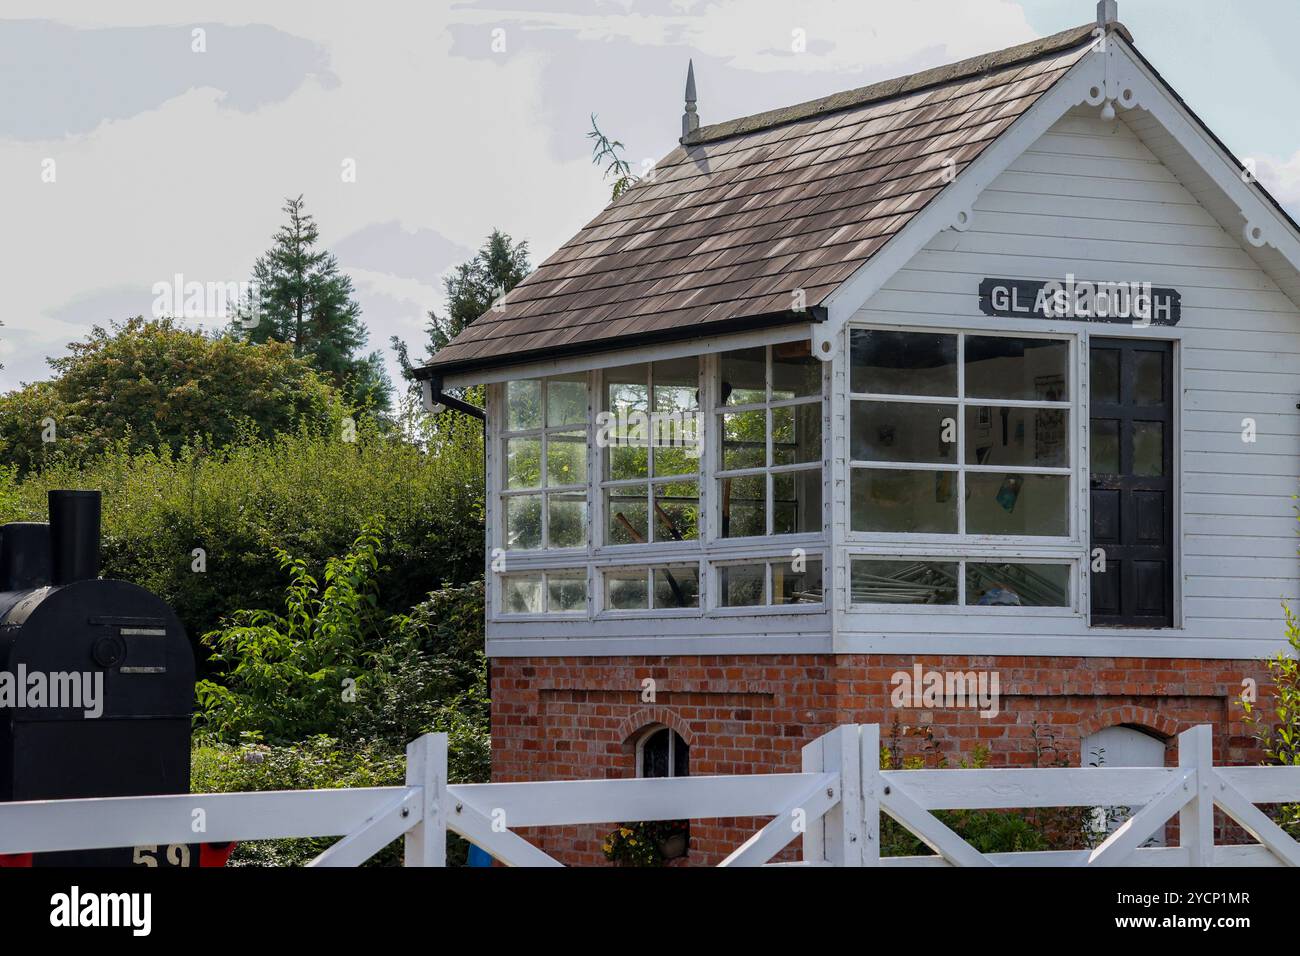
745,213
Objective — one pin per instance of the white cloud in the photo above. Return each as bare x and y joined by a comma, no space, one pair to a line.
1281,177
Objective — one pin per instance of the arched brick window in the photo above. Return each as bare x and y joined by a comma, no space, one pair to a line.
661,752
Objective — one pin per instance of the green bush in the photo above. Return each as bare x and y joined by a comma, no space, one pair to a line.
1277,728
317,763
304,493
153,384
329,692
990,831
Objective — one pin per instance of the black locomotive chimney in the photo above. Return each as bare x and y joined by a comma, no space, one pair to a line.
74,536
24,555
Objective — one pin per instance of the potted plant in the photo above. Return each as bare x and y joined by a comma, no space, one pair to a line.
651,843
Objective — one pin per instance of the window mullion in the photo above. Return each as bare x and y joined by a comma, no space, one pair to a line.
961,437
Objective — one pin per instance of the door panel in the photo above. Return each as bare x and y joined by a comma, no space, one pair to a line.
1132,482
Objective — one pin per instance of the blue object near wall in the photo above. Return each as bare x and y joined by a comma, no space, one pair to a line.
479,857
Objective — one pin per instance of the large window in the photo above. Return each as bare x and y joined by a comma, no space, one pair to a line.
959,434
544,463
769,423
652,456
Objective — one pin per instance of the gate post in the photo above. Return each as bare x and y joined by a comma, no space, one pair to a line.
426,767
1196,818
871,787
837,838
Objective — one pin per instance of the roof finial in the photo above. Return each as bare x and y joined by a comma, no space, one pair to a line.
690,119
1107,12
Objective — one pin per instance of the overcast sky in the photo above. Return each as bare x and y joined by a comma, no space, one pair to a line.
458,118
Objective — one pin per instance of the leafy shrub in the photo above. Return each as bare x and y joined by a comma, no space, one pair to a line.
305,493
153,385
991,831
320,762
1278,730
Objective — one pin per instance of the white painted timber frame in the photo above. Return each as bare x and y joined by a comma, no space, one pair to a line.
834,805
1111,76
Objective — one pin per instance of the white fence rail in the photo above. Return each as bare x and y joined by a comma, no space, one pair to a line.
835,804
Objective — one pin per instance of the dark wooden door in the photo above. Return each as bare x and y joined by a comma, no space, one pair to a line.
1131,464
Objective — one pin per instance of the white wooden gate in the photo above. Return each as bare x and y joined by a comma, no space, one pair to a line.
834,804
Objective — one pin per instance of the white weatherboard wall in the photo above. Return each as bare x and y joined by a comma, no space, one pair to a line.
1090,199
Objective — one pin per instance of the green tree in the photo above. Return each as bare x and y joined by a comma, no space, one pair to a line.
610,152
149,385
305,300
471,289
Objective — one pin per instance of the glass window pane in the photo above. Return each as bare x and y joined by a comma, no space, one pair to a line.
1103,375
903,582
676,384
627,462
1000,366
1017,436
795,372
627,509
627,590
677,511
744,440
744,506
677,586
1103,447
628,387
1148,378
568,517
566,591
744,376
566,400
797,502
566,458
523,462
675,460
903,432
1017,504
903,500
797,434
524,404
797,586
523,522
521,594
654,754
1149,449
741,585
903,363
1017,585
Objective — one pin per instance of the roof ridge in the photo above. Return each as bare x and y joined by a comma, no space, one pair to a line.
911,83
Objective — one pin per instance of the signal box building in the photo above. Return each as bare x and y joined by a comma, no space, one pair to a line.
988,370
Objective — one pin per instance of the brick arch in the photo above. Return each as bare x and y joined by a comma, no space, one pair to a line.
654,714
1130,715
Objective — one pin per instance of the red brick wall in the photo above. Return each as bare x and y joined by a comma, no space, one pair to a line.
577,718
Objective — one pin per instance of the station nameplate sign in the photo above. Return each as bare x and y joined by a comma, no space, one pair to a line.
1136,303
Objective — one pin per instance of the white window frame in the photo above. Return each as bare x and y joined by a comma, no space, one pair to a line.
1070,609
597,511
717,608
646,733
502,493
604,611
545,614
704,551
961,544
713,454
